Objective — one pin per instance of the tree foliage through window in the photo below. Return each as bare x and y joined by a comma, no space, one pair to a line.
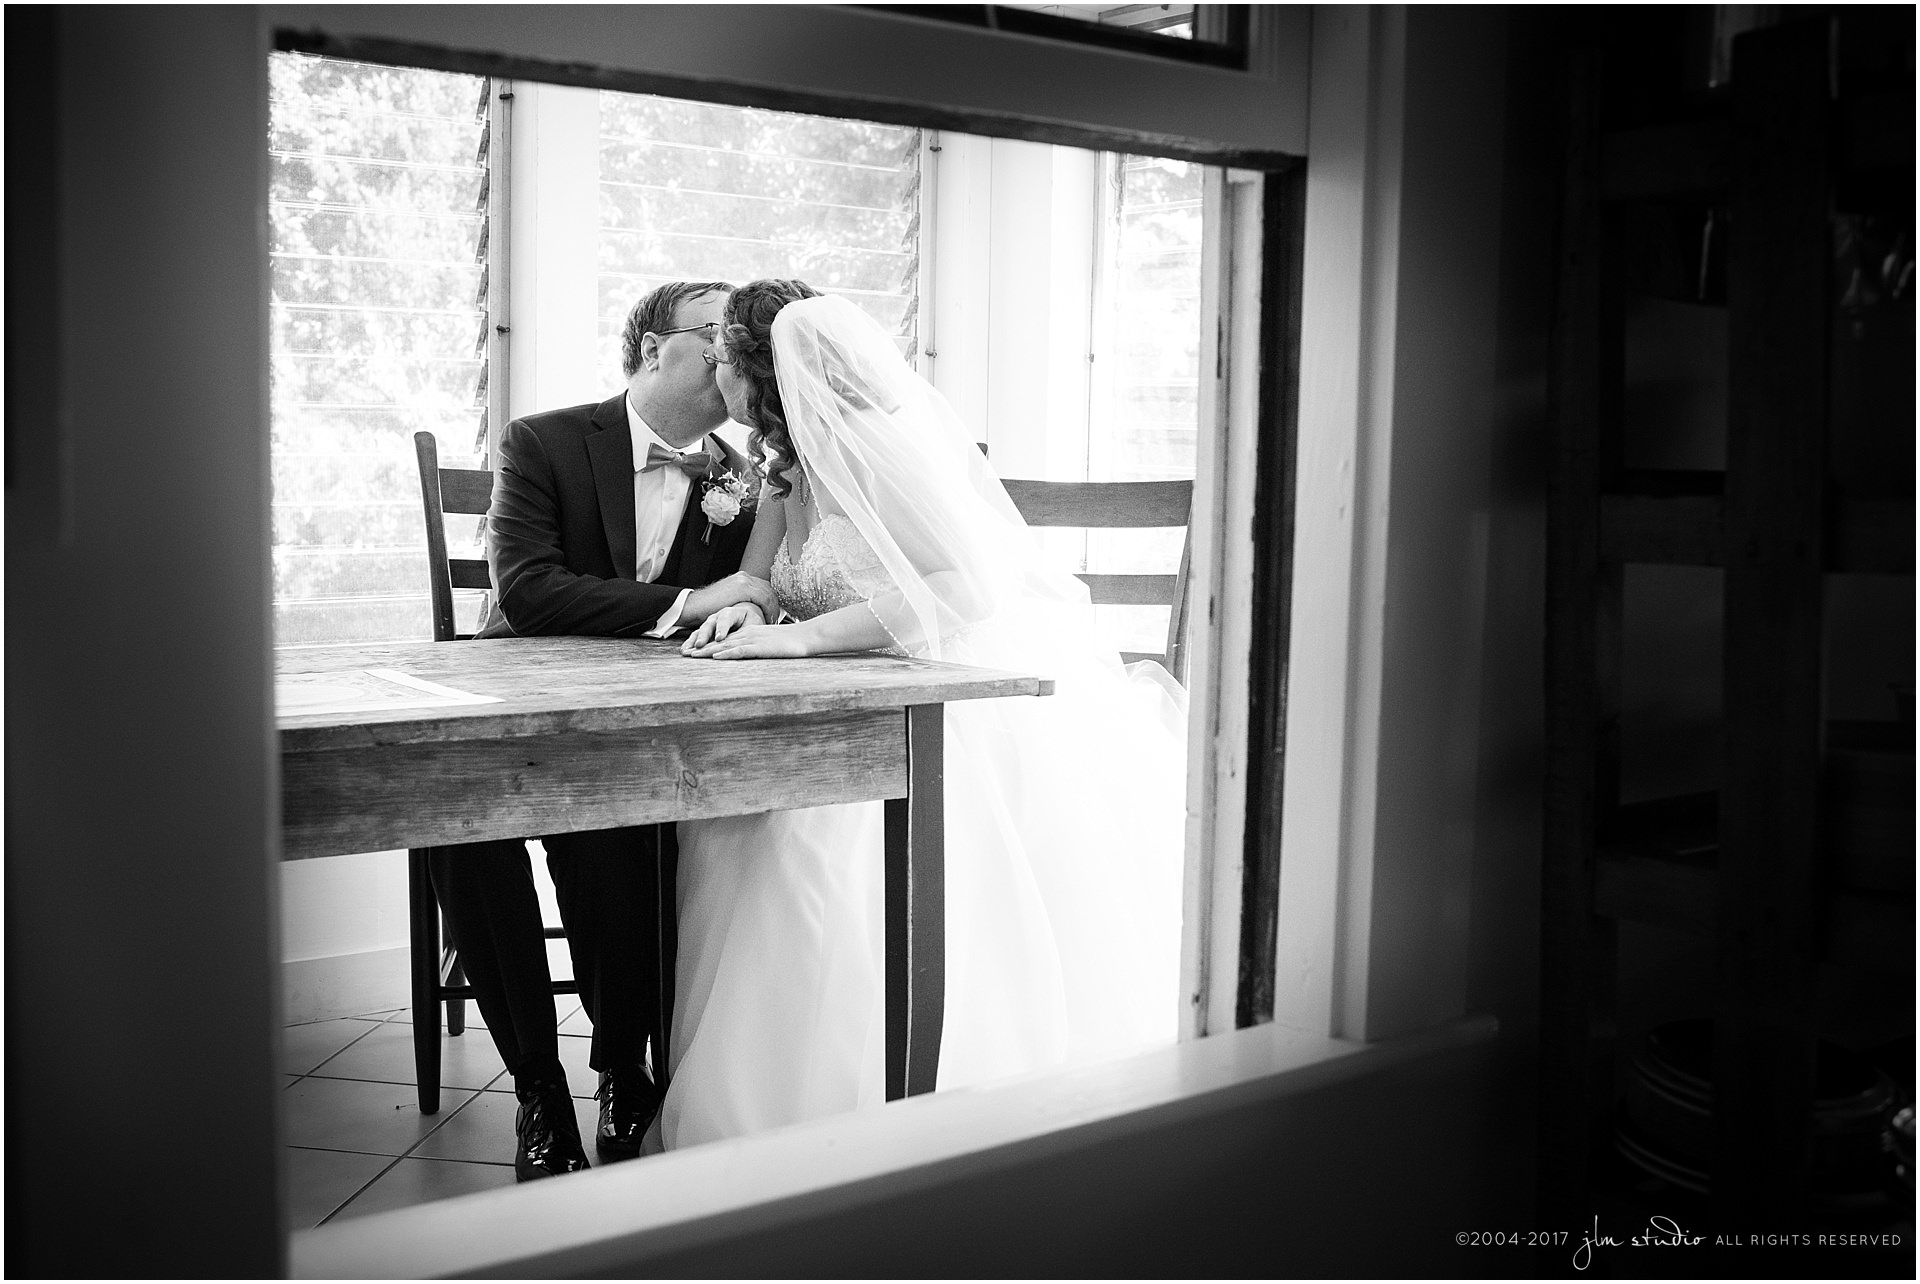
698,191
378,225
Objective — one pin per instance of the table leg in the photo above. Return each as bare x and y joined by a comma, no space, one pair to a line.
916,910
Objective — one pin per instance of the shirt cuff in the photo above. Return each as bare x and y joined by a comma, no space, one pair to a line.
666,624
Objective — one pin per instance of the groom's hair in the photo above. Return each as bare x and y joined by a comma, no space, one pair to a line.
654,313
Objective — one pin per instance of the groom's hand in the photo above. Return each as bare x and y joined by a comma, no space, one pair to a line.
734,590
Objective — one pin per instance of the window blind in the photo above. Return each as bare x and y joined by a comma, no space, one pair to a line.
705,192
377,203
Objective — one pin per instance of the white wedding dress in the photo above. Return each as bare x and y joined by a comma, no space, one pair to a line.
1065,814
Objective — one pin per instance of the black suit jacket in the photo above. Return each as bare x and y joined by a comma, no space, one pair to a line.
561,537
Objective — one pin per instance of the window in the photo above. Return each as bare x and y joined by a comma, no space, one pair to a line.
1064,325
1146,368
384,263
1276,100
1209,33
378,206
1162,19
698,191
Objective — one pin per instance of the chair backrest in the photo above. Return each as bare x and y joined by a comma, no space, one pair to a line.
1122,504
443,491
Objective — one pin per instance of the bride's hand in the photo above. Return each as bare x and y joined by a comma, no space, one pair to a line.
721,623
755,642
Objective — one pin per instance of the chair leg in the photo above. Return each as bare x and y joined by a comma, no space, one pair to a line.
423,913
456,975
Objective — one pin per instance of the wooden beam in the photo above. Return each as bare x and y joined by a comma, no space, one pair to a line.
1767,929
1582,669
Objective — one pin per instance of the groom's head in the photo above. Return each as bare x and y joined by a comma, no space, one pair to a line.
671,386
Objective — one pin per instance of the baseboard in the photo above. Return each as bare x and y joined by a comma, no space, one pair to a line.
345,985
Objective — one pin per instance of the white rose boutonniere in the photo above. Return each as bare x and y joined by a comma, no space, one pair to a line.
723,497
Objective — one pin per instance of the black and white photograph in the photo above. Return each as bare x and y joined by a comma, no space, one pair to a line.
960,641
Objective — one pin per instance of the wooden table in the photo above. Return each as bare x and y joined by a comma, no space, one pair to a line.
594,733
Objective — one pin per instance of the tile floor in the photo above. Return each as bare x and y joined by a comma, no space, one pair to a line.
357,1142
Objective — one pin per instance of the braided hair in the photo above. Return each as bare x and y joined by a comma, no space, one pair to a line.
748,326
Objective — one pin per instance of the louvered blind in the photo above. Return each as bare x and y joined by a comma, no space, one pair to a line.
1153,379
1147,381
704,192
378,222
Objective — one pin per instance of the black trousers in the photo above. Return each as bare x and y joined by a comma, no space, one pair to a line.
615,891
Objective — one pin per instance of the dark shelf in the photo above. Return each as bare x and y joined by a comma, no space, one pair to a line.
1869,930
1675,519
1657,861
1691,161
1787,205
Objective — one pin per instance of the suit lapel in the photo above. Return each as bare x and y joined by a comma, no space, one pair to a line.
610,453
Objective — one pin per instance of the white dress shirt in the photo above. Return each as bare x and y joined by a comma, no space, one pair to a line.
659,502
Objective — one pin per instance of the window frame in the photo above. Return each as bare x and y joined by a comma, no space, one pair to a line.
1275,376
1227,49
1289,52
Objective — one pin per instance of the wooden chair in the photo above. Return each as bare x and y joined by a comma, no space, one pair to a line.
437,977
435,965
1122,504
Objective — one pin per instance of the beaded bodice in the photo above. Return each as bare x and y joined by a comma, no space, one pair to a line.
836,568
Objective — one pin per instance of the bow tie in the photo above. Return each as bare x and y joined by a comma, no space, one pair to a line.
694,463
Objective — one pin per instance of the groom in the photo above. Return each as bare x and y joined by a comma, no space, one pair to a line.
596,528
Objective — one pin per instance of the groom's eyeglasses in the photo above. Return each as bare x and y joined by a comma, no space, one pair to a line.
684,329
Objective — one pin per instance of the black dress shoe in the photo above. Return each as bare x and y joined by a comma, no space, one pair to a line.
547,1135
628,1101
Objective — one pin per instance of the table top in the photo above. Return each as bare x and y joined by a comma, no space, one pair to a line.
541,686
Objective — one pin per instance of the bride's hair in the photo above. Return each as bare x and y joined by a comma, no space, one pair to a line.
748,322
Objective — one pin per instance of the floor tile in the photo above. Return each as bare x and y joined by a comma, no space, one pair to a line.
565,1007
348,1114
305,1046
582,1079
418,1181
483,1130
319,1181
385,1054
474,1020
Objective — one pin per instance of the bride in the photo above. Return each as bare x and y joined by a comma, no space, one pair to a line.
882,528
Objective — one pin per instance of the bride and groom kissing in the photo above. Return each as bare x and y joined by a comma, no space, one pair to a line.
878,526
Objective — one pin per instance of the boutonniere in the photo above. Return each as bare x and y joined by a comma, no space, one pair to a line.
724,495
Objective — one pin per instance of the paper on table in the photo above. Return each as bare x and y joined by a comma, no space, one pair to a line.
363,691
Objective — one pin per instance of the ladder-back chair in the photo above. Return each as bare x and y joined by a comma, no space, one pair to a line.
436,973
1138,504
